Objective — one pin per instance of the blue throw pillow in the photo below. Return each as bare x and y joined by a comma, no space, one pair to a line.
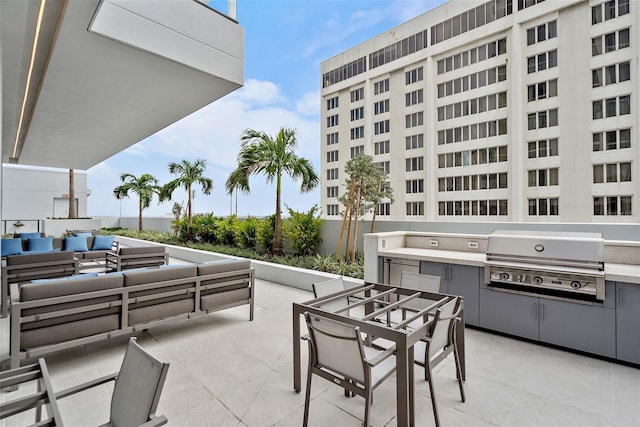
11,247
102,243
27,236
76,244
41,244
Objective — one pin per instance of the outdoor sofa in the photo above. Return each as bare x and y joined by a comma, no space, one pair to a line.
48,316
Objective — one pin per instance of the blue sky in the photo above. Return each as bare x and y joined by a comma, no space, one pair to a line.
285,42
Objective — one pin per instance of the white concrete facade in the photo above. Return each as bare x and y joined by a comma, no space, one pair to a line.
529,117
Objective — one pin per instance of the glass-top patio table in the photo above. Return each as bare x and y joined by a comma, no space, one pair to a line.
403,335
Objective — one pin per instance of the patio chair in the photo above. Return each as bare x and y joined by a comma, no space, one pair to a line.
418,282
337,354
328,287
137,389
440,342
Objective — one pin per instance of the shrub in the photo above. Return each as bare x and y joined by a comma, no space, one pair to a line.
247,233
227,230
303,230
266,232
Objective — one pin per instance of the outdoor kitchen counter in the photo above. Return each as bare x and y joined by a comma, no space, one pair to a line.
475,259
628,273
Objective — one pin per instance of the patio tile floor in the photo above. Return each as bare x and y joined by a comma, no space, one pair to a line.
227,371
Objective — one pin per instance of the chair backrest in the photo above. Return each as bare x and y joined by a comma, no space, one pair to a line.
336,346
441,332
138,387
420,282
329,287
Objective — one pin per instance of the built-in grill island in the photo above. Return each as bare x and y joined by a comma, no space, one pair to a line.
564,265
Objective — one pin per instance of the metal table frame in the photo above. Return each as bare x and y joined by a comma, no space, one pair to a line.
404,339
44,395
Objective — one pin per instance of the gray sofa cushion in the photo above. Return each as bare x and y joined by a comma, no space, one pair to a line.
214,300
40,257
160,311
68,331
228,282
153,275
142,250
223,266
56,288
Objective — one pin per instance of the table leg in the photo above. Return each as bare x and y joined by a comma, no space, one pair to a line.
297,374
402,384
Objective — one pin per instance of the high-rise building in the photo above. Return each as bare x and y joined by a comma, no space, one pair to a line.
515,110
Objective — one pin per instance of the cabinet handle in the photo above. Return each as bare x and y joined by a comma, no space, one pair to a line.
535,310
541,311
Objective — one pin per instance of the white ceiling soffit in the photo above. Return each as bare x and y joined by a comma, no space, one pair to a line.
116,72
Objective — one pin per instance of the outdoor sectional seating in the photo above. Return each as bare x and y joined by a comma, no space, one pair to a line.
125,258
48,316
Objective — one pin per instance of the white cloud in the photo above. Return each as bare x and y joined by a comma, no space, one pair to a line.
309,104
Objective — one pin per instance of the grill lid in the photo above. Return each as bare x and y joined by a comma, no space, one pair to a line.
556,248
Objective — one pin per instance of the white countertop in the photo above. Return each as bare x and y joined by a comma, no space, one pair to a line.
629,273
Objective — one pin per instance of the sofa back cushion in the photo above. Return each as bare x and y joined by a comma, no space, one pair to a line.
154,275
11,247
27,258
62,287
142,250
223,266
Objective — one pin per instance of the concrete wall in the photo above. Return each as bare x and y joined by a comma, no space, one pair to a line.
32,193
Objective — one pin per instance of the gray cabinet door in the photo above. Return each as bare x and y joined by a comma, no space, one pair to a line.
628,322
465,280
436,269
509,313
581,327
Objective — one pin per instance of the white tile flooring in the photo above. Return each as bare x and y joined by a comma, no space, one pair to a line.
227,371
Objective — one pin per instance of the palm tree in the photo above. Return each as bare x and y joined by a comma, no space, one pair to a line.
145,187
188,174
262,154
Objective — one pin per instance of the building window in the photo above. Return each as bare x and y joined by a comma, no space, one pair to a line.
542,61
542,119
332,103
413,98
332,121
332,174
357,94
415,208
543,148
332,191
544,207
399,49
355,151
612,107
414,164
381,147
332,138
357,132
414,186
381,86
610,42
414,141
332,210
612,205
542,90
473,81
344,72
612,172
468,57
357,113
381,107
541,33
332,156
413,76
383,209
381,127
543,177
414,119
385,166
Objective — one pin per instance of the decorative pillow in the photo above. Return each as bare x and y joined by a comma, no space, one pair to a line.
102,243
82,234
11,247
27,236
76,244
41,244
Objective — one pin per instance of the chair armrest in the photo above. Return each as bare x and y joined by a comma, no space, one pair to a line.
85,386
381,356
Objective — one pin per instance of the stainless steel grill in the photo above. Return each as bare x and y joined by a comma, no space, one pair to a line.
556,264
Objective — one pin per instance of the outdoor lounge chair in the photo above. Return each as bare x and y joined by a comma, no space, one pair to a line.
440,342
328,287
137,389
337,354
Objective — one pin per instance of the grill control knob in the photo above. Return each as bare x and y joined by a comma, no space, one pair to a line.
576,285
538,280
504,276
